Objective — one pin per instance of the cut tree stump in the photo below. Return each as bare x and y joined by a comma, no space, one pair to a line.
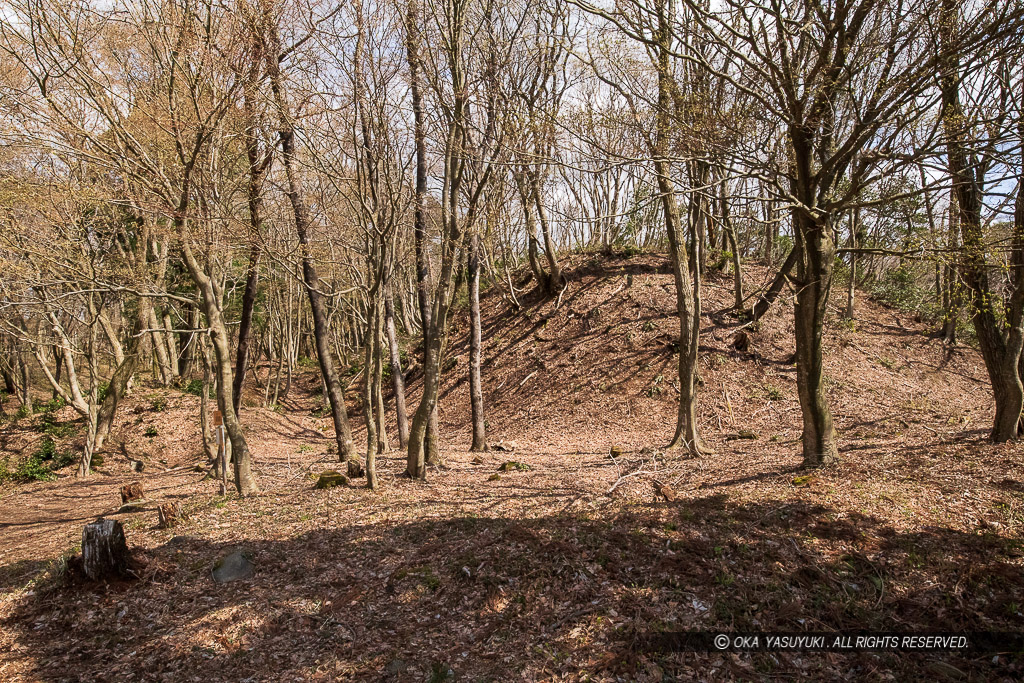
169,514
355,469
104,550
131,492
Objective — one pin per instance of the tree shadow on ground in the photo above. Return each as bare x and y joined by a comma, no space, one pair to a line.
557,597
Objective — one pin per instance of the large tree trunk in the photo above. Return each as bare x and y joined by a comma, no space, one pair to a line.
814,274
999,340
476,394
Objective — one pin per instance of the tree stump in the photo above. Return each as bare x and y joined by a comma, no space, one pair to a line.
131,492
355,469
169,514
104,550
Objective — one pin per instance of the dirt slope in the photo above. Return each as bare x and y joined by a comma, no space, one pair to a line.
567,570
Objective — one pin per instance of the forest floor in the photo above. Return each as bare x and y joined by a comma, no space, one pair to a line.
570,569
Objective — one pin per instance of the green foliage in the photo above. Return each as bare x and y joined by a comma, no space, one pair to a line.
899,289
23,411
59,430
513,466
47,449
195,387
50,406
159,403
63,459
150,432
322,410
33,469
305,362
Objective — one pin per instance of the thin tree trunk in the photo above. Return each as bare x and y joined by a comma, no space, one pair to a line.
427,447
397,378
310,278
245,324
730,231
851,285
687,305
245,482
765,301
475,389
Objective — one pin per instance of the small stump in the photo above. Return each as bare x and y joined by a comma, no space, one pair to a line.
169,514
104,550
330,479
355,469
131,492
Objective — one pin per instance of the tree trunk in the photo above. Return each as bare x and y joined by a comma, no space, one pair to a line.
730,231
765,301
814,274
311,280
851,285
245,483
397,378
104,550
426,447
245,324
476,394
687,304
371,348
159,347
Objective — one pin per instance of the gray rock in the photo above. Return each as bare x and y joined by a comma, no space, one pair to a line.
233,567
397,666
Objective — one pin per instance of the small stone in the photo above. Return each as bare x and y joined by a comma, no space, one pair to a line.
137,466
477,460
397,666
507,446
513,466
615,452
330,479
494,477
233,567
